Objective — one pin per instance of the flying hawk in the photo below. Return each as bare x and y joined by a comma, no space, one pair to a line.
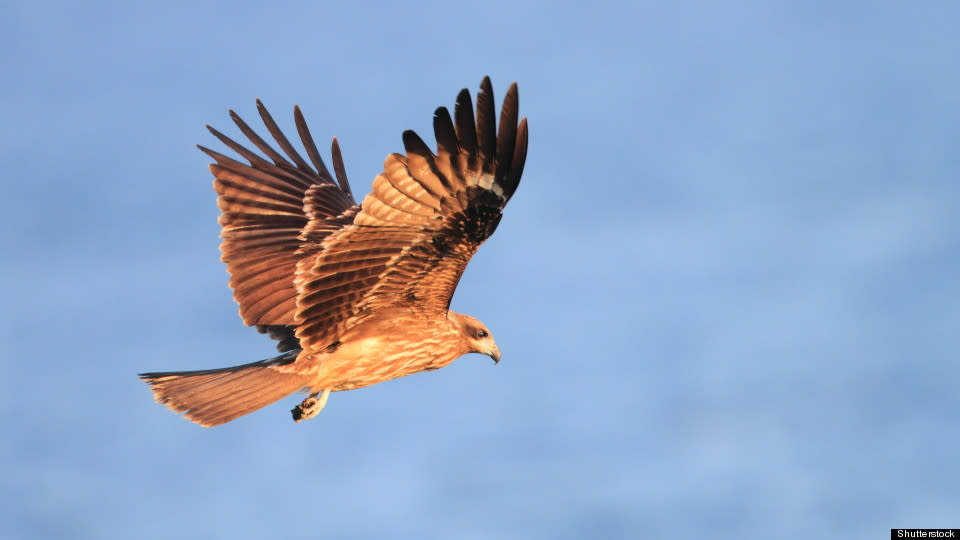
355,294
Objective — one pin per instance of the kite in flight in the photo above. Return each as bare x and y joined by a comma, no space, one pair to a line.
354,294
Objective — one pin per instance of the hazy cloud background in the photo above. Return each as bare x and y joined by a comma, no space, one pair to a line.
726,290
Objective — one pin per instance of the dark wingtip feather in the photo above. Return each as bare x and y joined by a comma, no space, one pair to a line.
444,131
465,126
253,158
205,150
506,138
413,144
221,160
281,139
519,159
486,86
486,126
339,168
252,136
309,145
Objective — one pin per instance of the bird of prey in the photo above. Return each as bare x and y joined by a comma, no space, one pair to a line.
354,294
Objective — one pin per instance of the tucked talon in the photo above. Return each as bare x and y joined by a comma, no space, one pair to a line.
311,406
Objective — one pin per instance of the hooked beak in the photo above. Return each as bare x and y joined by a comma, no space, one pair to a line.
495,354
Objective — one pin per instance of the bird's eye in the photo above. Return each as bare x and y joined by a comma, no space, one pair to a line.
481,333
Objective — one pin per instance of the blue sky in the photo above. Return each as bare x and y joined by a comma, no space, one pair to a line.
726,289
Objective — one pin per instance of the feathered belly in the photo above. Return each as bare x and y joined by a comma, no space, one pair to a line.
372,360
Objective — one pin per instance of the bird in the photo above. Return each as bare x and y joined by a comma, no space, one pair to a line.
354,294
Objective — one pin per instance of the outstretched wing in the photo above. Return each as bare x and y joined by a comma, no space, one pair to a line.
422,222
265,209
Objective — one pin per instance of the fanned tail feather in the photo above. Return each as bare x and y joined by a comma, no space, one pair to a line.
216,396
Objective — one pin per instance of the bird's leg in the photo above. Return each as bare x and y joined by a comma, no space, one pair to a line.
311,406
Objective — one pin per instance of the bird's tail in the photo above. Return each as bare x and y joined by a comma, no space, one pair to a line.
216,396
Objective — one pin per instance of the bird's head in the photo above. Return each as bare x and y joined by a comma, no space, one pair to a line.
475,336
